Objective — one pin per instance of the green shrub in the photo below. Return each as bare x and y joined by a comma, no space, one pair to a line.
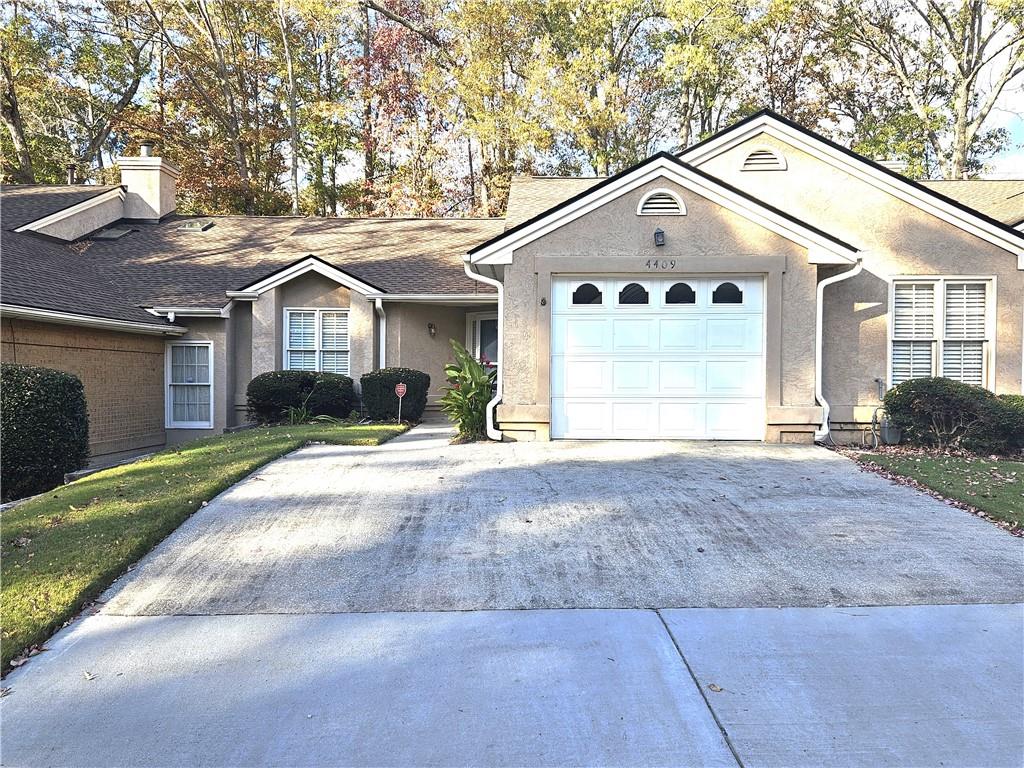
943,413
472,387
44,428
380,400
273,396
1013,413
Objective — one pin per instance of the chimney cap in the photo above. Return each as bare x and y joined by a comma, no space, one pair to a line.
146,147
72,173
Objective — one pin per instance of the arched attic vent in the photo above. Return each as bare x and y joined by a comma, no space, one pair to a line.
661,202
764,159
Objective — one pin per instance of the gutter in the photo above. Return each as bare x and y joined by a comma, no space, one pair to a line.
382,333
89,321
822,433
492,431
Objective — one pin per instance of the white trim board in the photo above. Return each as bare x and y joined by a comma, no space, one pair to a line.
821,250
437,298
88,321
863,170
297,269
117,193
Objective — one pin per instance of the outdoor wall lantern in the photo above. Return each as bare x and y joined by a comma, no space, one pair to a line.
432,330
659,236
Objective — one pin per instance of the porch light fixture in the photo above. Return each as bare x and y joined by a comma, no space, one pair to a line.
432,330
659,236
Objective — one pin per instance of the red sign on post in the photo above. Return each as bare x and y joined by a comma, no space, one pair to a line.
400,390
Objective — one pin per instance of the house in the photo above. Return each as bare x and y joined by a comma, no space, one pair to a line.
764,284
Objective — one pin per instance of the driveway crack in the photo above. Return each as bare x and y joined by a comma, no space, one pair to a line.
701,691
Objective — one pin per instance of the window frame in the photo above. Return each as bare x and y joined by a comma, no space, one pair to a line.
318,349
169,422
939,339
473,320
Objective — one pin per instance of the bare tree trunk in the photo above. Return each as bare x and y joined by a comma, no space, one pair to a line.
369,150
292,106
10,112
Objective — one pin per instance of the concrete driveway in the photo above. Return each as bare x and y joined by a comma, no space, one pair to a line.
419,525
694,604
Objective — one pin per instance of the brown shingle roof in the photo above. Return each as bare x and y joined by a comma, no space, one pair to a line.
529,196
22,204
1002,200
163,265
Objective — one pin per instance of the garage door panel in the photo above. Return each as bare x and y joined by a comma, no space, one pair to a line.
586,376
586,335
681,419
633,334
633,377
681,377
733,377
733,420
636,419
680,334
581,418
735,334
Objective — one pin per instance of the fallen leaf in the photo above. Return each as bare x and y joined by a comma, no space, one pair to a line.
5,692
88,675
715,688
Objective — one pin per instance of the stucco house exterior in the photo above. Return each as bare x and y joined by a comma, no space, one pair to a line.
765,284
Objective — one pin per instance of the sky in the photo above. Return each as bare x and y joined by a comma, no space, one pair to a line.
1009,114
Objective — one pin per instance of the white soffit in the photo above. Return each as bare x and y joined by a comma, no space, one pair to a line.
767,125
821,249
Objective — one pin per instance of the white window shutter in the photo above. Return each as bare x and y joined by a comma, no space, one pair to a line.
965,311
302,330
911,360
964,361
914,311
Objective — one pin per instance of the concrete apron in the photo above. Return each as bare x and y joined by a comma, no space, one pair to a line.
921,685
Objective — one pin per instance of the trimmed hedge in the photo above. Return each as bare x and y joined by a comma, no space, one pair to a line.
380,400
269,395
944,413
44,428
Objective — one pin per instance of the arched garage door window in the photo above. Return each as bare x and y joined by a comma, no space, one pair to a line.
587,293
727,293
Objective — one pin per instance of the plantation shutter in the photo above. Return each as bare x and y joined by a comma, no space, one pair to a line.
913,331
334,342
963,349
301,341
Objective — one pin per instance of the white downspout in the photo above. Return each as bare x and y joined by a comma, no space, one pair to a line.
382,332
823,431
492,431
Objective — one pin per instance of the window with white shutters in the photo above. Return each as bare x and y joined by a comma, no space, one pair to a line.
317,340
940,327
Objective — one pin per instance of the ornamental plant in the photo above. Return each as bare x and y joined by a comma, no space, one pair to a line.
472,387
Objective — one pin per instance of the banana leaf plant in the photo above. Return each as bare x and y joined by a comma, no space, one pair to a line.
471,387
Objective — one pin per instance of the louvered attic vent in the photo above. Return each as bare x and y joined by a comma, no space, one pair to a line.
764,160
661,203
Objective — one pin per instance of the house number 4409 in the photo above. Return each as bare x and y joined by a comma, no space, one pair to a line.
661,263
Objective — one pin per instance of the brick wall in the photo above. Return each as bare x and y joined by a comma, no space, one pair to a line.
123,374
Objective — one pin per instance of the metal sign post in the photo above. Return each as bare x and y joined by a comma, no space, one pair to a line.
400,390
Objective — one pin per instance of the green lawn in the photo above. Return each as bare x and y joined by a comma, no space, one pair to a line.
62,549
995,486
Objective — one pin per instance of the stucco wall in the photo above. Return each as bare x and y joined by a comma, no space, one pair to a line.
709,239
897,239
81,224
123,376
410,345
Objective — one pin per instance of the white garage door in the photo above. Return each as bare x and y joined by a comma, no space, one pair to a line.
675,357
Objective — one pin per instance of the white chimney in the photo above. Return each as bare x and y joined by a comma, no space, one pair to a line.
151,184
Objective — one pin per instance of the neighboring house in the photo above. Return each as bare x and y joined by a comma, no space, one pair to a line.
765,284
